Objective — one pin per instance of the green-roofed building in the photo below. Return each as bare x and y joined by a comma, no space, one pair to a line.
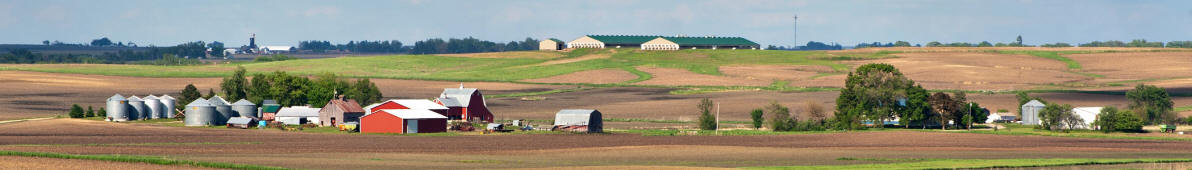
551,44
651,42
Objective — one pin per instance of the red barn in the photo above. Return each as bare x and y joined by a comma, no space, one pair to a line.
403,121
465,104
422,104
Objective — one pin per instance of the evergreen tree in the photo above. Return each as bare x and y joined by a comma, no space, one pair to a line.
707,121
76,111
101,112
210,93
90,113
189,94
758,118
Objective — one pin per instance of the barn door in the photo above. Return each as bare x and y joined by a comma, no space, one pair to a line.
412,126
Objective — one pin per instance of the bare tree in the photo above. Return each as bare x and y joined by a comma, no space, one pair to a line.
815,110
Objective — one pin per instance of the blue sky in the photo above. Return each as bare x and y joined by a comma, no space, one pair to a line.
848,22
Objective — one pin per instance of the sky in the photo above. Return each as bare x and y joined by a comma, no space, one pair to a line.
848,22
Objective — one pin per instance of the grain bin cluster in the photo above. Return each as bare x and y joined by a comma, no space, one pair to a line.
216,111
120,108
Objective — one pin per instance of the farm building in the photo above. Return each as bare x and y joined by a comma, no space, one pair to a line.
223,107
1000,117
403,121
653,42
551,44
580,120
200,113
168,106
465,104
1087,115
137,109
117,108
269,109
153,106
1030,112
240,122
278,49
340,110
676,43
297,115
407,104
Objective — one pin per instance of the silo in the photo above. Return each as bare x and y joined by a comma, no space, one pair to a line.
245,108
200,113
168,104
223,108
137,109
153,106
117,108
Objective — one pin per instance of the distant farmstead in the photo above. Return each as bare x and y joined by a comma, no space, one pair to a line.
551,44
662,42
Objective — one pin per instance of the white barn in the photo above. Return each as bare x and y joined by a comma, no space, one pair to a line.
297,115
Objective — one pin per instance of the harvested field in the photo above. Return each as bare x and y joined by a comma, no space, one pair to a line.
673,76
981,49
653,103
1137,66
601,76
510,54
979,71
16,162
764,72
354,151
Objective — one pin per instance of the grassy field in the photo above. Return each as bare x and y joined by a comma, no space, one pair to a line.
983,163
1016,129
138,159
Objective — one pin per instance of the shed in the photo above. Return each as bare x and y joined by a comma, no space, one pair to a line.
1030,112
1000,117
298,115
340,110
465,104
403,121
269,109
581,120
551,44
240,122
407,104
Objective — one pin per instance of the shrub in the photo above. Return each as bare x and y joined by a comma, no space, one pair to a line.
706,120
101,113
1111,119
76,111
781,119
758,118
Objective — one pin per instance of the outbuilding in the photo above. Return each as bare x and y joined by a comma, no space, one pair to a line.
269,109
407,104
1087,116
1000,117
403,121
340,110
465,104
240,122
1030,112
551,44
579,120
298,115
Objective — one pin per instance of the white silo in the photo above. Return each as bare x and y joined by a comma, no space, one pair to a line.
168,106
117,108
153,107
137,108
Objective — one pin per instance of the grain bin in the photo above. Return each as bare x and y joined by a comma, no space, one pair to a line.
245,108
168,106
223,108
153,106
117,108
200,113
137,111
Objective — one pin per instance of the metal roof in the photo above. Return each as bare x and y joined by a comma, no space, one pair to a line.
718,41
277,48
574,116
199,102
135,99
410,103
556,40
449,102
463,95
243,102
117,97
623,39
218,101
1035,103
298,111
265,102
166,96
414,114
348,105
239,120
150,97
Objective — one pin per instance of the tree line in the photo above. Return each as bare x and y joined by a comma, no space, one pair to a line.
811,45
428,46
189,50
289,90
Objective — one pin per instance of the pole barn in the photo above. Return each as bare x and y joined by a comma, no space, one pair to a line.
403,121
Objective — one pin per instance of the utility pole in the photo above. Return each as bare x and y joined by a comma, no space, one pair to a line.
796,35
717,117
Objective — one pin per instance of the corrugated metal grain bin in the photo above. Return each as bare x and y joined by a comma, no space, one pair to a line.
245,108
117,109
223,108
200,113
153,106
168,106
137,110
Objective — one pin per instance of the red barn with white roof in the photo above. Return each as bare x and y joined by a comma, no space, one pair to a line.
403,121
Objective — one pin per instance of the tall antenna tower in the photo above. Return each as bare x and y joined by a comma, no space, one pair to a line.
796,30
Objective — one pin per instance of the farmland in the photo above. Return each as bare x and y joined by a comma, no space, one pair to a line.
639,92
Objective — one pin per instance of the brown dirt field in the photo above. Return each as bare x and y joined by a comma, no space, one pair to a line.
673,76
1135,66
315,151
601,76
652,103
789,73
17,162
971,49
572,60
979,71
510,54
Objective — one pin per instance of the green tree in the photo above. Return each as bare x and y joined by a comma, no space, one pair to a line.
101,112
1112,120
364,92
1152,102
781,119
944,107
236,86
76,111
985,44
1053,114
189,94
917,108
872,92
707,121
1018,41
90,112
978,113
758,118
210,93
934,44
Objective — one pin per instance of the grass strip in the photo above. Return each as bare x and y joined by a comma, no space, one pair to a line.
1183,108
1027,130
987,163
641,75
139,159
1054,55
